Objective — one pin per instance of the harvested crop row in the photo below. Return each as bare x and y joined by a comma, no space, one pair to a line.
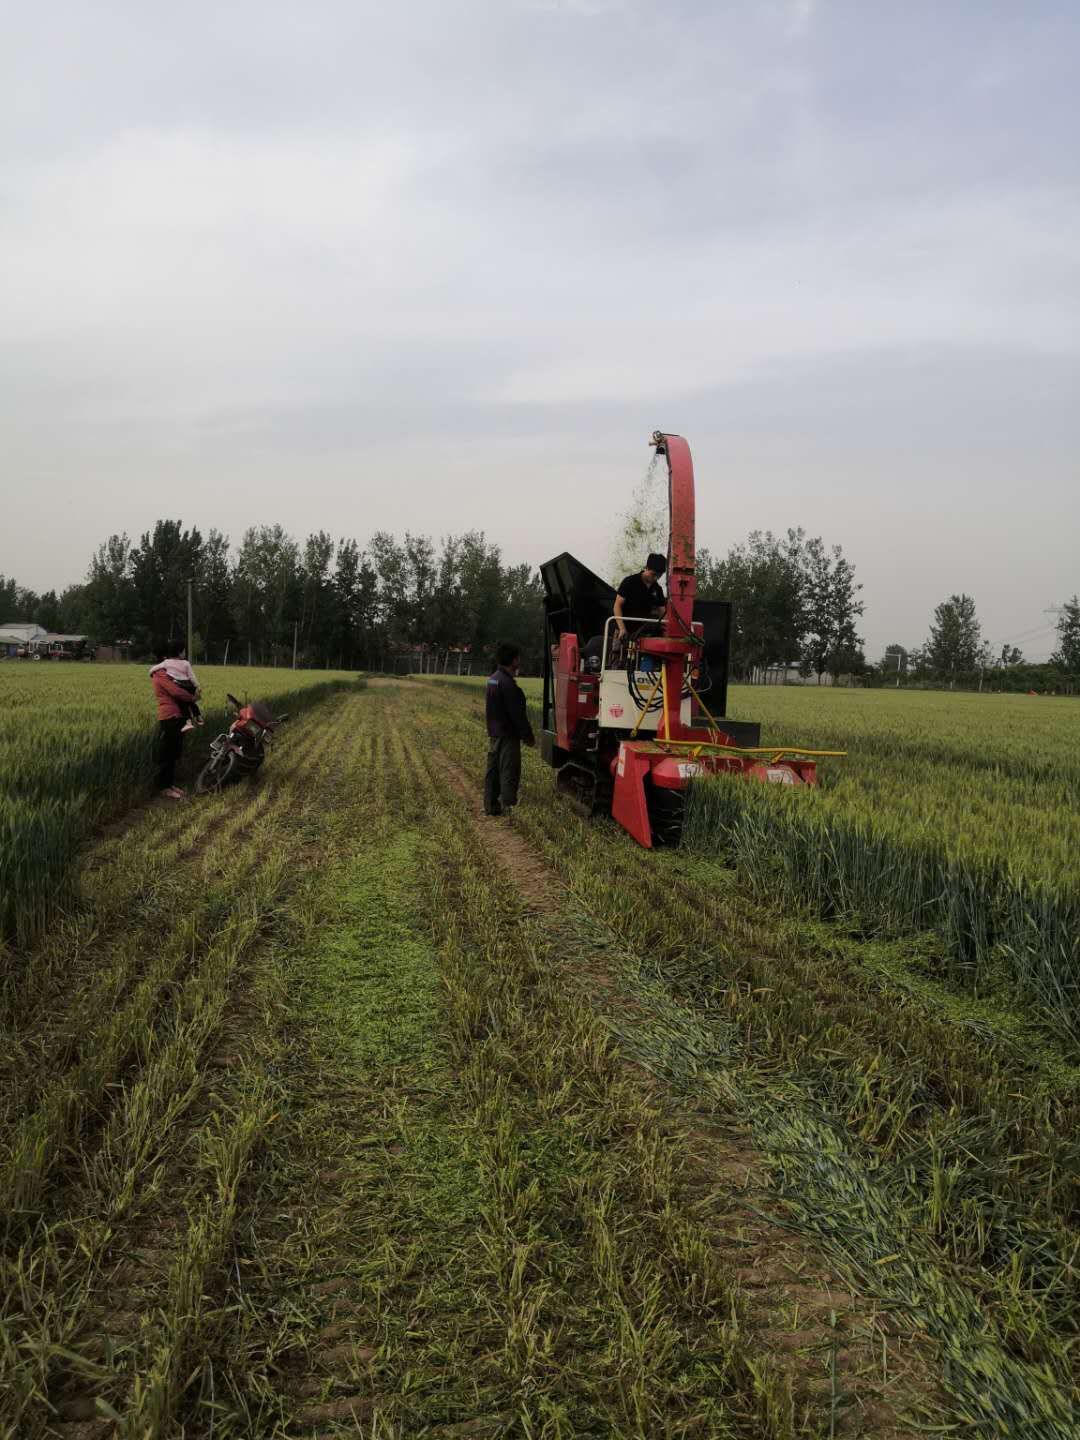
617,1314
432,1196
472,1212
809,1353
363,1212
1028,1283
133,1230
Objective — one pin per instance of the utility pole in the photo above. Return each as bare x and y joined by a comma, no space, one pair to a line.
295,634
190,625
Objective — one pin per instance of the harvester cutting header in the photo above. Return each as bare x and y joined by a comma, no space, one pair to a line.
630,718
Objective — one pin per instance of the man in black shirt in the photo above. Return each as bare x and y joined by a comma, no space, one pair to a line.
640,597
508,725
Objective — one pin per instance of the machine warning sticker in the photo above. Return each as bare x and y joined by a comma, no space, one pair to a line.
780,775
688,768
615,711
621,767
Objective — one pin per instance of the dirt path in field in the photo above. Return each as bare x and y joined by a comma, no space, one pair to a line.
535,879
845,1356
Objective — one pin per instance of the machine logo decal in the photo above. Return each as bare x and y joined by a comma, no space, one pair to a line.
621,767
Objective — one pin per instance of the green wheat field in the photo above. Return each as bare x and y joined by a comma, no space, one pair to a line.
329,1107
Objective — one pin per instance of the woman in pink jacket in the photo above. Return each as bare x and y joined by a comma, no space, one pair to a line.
173,703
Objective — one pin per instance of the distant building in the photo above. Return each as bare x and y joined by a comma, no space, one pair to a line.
19,636
791,674
33,640
52,644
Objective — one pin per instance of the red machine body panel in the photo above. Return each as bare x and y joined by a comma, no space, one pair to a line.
576,694
566,715
642,765
629,803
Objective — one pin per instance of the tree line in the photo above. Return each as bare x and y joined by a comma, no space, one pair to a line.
796,600
956,655
340,604
797,603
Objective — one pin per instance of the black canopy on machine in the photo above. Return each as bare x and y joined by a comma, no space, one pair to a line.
574,598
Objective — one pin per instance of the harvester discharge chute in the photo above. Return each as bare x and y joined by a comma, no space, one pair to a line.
628,723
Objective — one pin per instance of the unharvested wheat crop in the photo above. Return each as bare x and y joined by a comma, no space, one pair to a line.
953,813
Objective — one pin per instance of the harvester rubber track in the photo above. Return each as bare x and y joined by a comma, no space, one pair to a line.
589,791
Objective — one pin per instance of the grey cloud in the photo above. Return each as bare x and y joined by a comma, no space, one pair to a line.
447,264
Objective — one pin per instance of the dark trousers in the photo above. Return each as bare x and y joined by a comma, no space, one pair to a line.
503,774
170,743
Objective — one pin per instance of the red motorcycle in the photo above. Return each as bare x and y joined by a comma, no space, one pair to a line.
240,750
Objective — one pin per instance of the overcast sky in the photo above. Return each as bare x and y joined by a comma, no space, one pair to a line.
445,264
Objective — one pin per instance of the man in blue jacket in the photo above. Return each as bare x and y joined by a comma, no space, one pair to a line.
507,725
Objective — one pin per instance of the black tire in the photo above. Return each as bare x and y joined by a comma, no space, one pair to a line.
215,774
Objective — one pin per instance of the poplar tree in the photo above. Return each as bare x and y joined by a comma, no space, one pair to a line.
953,648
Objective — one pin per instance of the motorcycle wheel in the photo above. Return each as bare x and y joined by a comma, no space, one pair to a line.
216,774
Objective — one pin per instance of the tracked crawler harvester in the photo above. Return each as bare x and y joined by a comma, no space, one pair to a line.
628,723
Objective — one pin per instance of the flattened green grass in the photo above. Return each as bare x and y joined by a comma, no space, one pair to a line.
359,1248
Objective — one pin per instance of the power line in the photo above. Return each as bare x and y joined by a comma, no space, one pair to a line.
1032,634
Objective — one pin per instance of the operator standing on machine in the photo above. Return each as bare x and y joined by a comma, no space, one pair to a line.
641,596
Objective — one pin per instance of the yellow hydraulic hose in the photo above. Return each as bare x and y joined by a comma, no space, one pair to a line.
759,750
773,753
701,702
784,752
